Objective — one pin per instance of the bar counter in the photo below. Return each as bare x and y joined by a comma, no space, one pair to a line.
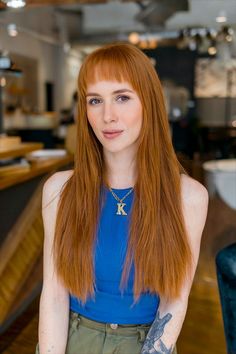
21,232
37,168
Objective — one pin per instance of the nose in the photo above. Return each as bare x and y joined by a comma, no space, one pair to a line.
109,114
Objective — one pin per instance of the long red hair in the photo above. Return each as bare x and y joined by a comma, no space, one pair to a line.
158,243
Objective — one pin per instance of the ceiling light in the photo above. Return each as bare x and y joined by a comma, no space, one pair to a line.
221,18
12,30
134,38
143,44
15,4
229,38
212,50
152,43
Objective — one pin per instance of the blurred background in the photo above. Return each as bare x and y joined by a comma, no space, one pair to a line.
192,45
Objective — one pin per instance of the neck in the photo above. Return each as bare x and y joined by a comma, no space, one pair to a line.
121,172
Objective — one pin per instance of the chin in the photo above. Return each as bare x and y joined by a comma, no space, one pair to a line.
118,149
112,150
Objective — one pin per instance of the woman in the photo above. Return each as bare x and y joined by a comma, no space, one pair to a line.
123,229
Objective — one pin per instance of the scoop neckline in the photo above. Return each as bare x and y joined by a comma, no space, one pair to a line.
119,189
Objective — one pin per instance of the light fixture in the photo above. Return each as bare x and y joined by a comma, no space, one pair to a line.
134,38
153,43
143,44
15,4
12,30
212,50
229,38
221,18
228,32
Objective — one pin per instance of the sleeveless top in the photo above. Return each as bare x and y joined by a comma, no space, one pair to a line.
110,304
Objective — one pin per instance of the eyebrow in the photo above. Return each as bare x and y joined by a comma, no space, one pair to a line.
114,92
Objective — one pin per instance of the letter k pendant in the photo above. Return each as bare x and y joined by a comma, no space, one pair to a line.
120,210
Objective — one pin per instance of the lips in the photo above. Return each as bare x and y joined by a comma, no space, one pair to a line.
110,134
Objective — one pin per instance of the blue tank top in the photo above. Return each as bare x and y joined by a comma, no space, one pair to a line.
110,304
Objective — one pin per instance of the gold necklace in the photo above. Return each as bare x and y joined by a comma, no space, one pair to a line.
120,205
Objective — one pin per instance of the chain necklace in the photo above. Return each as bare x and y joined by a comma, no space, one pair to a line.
120,205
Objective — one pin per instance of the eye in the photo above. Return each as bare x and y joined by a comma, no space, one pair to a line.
94,101
122,98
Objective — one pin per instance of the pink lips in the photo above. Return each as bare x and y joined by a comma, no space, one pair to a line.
111,134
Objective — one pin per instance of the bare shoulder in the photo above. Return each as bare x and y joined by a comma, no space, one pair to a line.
54,185
193,192
195,206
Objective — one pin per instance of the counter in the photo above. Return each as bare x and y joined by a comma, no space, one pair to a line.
21,233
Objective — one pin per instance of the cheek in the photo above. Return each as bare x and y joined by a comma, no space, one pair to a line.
136,118
91,119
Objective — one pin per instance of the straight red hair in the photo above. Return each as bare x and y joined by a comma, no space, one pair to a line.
158,243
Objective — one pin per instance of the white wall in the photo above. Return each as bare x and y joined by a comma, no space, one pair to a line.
67,69
53,65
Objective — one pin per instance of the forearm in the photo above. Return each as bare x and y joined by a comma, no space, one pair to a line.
165,329
53,324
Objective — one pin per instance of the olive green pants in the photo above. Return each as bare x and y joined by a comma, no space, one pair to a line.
90,337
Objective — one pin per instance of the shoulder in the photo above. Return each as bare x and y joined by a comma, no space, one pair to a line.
54,185
194,205
193,193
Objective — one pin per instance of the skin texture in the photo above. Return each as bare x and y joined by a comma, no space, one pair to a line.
114,105
109,109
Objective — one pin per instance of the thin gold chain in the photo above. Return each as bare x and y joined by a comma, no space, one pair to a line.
117,198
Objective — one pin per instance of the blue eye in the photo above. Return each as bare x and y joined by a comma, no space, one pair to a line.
122,98
94,101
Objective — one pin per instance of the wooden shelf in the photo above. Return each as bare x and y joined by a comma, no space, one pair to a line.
19,150
37,168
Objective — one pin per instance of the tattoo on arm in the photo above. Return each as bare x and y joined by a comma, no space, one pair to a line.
154,336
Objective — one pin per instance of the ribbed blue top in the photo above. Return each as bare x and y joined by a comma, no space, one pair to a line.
110,304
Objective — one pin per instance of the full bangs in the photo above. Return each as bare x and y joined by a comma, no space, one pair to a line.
108,64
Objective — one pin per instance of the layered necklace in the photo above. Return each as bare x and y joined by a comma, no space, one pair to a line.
120,204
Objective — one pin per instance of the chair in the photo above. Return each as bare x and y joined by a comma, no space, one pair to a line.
226,276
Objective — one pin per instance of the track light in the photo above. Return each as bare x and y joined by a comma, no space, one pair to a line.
15,4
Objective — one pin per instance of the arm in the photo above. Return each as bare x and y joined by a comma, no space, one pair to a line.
54,301
167,325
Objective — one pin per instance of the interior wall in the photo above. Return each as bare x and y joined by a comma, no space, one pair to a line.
28,46
67,66
54,65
